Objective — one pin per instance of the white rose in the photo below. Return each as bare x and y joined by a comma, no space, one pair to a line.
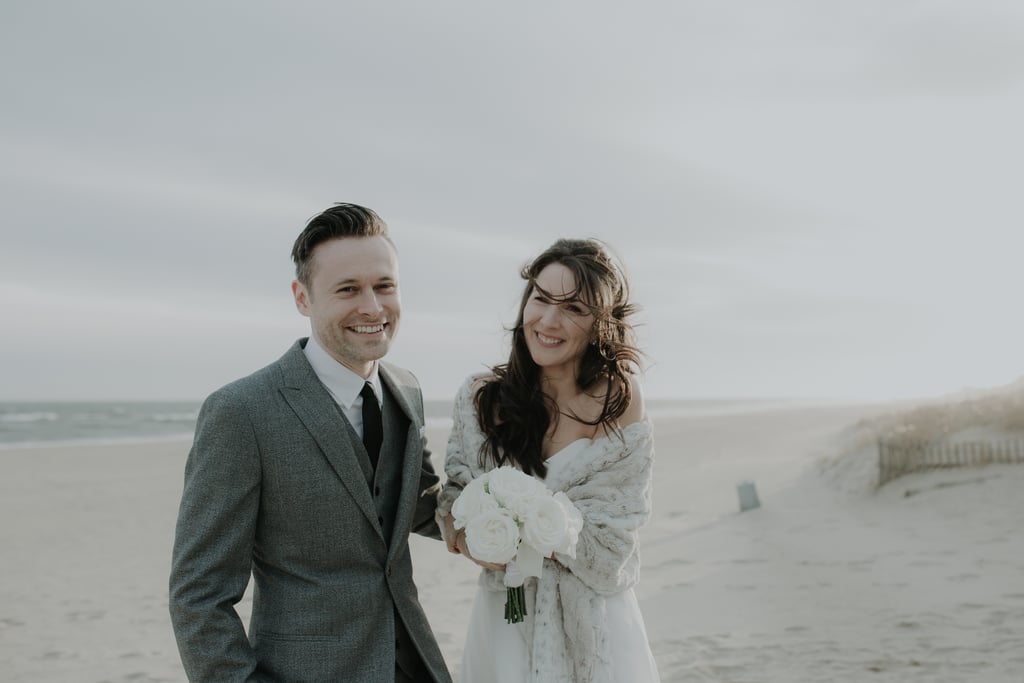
545,525
574,525
473,501
493,536
515,490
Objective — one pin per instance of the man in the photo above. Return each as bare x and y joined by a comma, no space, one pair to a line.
310,474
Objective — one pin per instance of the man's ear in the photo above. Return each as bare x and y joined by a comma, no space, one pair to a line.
301,295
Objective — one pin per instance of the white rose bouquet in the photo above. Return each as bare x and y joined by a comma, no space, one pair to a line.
513,519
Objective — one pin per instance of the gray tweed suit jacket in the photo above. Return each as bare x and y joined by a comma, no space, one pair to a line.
276,487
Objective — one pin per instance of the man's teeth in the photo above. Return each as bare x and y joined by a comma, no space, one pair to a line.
548,340
368,329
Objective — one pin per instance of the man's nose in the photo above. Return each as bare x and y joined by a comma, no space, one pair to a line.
369,303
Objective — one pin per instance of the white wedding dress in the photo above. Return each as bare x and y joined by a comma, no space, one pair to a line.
497,652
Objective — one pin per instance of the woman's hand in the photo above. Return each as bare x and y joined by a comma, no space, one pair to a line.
460,542
456,542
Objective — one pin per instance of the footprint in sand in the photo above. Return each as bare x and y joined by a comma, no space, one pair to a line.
668,564
996,618
86,615
57,655
970,606
922,563
141,676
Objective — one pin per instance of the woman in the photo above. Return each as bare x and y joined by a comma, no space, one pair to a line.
565,408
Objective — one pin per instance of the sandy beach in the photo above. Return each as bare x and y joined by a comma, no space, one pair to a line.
829,580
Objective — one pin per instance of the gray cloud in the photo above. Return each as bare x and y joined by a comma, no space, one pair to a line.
782,181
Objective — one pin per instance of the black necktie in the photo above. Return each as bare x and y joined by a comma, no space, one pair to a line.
373,426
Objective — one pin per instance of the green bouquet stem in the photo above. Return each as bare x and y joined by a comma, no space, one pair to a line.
515,605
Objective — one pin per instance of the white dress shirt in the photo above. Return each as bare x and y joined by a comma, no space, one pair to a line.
343,384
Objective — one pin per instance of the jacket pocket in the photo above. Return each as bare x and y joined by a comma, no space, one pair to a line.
293,658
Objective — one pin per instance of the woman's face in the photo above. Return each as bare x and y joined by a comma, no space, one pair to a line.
557,331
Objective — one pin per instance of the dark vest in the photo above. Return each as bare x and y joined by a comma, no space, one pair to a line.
386,483
386,487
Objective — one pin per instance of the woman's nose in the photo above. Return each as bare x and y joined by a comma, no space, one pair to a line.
550,316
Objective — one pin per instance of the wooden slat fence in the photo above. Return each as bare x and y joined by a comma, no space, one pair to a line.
896,460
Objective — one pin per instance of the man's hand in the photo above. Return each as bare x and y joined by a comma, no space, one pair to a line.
450,534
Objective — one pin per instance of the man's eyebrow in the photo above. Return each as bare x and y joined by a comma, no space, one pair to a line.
356,281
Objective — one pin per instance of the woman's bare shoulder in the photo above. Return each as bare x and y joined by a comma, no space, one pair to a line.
635,411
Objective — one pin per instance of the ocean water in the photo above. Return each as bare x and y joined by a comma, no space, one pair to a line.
25,424
44,423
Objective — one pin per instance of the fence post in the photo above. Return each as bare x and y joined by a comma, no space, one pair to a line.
881,463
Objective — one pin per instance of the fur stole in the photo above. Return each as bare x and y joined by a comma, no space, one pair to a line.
609,481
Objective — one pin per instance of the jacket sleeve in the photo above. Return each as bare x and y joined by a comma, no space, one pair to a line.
424,521
615,502
213,545
462,459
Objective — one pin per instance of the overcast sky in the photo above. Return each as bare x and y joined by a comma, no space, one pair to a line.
813,199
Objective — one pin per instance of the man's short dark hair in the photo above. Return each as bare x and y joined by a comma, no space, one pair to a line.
341,220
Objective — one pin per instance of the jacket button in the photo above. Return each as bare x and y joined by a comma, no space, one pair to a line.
388,572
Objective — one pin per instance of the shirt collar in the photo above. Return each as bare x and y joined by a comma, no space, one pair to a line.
343,384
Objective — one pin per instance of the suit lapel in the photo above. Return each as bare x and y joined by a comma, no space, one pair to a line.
411,459
319,414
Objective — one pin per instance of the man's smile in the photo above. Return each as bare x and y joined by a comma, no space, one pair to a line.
368,329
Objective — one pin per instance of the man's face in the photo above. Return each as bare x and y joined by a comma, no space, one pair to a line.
352,300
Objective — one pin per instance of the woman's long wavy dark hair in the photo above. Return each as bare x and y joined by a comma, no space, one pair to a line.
513,411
